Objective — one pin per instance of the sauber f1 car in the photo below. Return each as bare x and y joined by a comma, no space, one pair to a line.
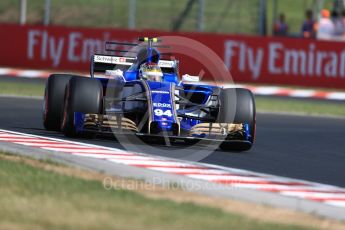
143,95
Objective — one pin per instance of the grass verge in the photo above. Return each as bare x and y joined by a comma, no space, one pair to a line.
303,106
21,88
32,197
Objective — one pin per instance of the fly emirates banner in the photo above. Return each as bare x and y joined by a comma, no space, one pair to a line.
250,59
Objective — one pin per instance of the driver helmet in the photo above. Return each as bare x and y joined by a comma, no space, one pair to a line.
151,72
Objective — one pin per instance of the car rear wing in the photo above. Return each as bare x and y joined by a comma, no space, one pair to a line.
100,63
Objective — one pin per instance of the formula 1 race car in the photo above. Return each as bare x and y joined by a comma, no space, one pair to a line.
143,95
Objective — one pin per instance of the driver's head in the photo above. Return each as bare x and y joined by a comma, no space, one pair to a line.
151,71
143,56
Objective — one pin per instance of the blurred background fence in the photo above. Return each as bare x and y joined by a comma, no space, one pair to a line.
220,16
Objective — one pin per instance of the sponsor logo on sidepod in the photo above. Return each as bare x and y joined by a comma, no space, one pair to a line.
161,105
160,91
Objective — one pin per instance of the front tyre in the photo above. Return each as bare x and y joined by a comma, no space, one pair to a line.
84,95
237,105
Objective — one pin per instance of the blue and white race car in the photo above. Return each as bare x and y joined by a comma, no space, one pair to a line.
143,95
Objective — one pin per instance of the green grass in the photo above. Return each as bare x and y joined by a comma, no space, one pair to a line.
152,14
225,16
291,105
21,88
32,198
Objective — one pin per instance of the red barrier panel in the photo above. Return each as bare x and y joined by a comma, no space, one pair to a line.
300,62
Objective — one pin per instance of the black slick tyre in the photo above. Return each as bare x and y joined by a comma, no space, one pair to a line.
83,95
237,105
53,101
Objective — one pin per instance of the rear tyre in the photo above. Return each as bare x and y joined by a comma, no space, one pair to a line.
238,106
83,95
53,101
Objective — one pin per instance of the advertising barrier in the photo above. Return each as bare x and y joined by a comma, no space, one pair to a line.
250,59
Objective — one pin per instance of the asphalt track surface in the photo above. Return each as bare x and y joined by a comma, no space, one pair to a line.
301,147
